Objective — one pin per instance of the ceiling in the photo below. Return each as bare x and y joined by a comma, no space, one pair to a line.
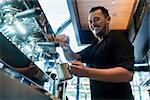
119,10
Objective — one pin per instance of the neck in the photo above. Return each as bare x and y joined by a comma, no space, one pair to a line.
105,33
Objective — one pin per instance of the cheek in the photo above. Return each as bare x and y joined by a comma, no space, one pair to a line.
102,23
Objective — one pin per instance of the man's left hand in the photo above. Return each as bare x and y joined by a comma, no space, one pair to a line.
79,69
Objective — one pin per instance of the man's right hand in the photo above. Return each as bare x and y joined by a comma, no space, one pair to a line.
62,39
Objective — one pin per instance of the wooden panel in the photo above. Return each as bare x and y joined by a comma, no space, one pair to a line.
119,10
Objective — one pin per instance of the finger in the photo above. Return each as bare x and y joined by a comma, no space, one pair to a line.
49,37
64,38
60,39
74,68
76,62
72,61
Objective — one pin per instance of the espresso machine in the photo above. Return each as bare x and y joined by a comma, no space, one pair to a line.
25,51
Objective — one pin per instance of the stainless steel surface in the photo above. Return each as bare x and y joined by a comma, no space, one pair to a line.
20,26
11,89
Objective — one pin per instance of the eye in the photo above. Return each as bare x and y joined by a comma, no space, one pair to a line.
96,18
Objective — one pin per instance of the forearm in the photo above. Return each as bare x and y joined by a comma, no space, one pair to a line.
117,74
70,55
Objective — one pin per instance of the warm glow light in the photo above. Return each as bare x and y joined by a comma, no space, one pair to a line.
144,64
113,1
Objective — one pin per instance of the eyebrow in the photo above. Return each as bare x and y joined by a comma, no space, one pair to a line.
94,18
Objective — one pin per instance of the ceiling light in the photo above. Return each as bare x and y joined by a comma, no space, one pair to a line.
144,64
113,1
114,14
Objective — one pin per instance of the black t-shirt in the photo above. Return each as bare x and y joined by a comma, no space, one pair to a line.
114,50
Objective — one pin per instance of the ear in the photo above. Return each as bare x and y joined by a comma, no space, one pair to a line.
108,19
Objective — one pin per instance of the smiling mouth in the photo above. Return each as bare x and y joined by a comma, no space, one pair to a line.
96,28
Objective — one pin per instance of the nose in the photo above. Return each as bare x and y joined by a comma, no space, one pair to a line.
93,24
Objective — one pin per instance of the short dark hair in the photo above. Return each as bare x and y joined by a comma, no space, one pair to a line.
104,10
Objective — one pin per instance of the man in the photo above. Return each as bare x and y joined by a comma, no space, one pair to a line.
109,59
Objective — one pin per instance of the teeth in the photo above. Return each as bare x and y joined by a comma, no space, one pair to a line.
96,28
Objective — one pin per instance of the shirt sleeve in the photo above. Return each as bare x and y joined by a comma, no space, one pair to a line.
123,52
85,54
